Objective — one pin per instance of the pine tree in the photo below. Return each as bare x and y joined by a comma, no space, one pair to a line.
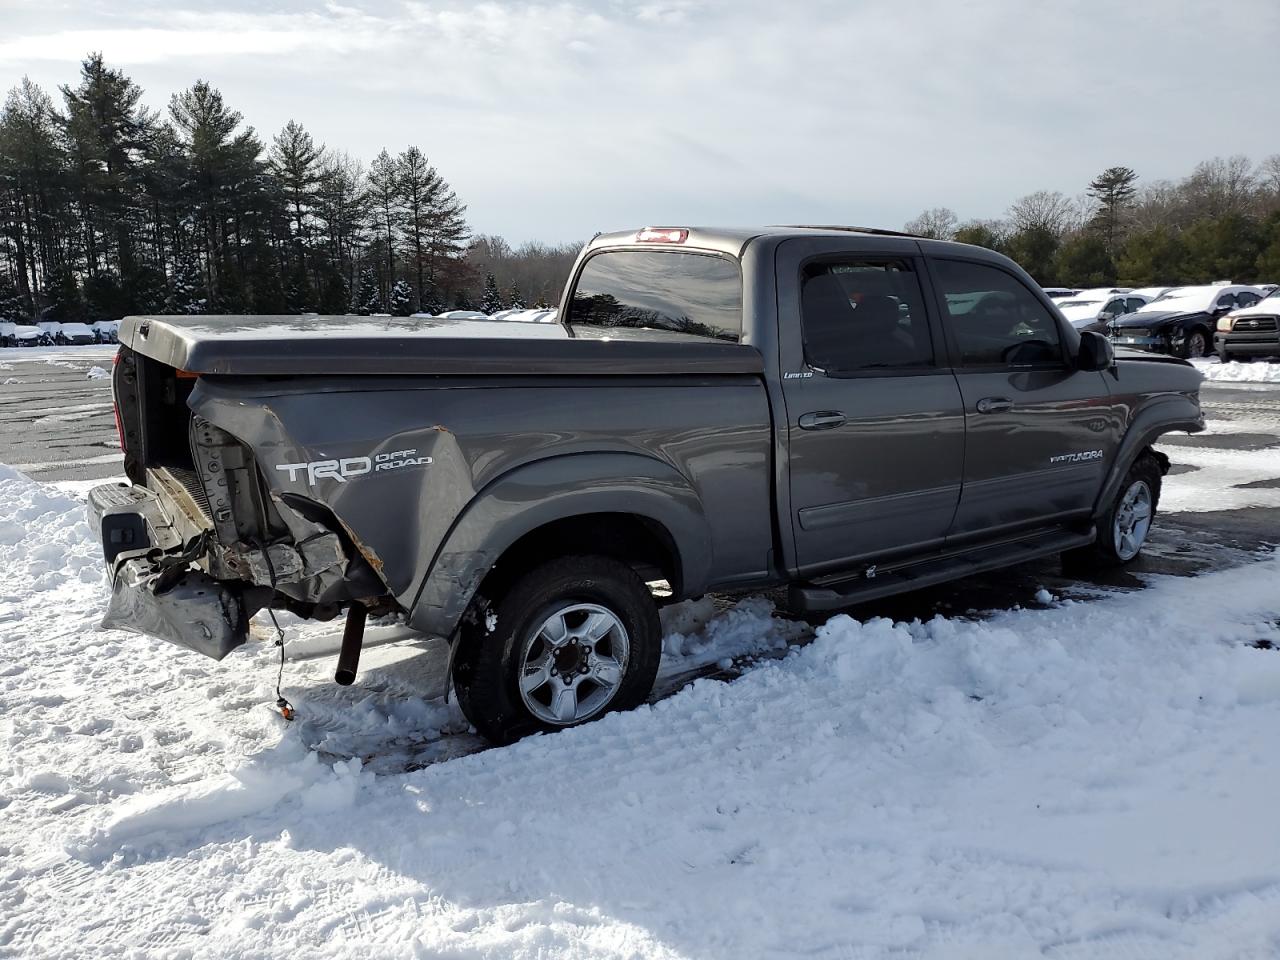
429,217
491,302
187,292
384,198
400,301
368,298
63,295
13,306
108,131
1114,190
295,161
514,300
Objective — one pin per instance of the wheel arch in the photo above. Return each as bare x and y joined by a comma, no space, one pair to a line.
1165,414
632,507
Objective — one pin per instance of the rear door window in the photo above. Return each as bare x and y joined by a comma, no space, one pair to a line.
994,319
861,314
661,294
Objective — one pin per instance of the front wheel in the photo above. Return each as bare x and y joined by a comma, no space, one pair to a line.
1197,344
1123,529
568,642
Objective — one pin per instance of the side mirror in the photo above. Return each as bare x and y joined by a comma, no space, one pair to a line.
1222,308
1096,352
1106,315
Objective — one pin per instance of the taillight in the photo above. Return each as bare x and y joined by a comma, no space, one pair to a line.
115,402
662,235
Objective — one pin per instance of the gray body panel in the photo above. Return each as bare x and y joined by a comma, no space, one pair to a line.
437,445
692,454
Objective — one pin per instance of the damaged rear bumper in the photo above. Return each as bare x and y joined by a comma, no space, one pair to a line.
154,589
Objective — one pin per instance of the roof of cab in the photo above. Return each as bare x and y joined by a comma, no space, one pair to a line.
731,240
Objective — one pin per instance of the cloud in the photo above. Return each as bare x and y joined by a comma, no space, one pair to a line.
188,35
555,118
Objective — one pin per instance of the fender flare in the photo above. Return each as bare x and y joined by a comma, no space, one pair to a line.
1163,414
558,488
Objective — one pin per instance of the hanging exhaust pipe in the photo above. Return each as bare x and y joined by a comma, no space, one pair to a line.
352,640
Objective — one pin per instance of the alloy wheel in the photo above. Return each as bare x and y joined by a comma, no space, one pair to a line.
573,663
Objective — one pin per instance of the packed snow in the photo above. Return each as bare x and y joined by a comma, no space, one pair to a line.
1236,371
1069,780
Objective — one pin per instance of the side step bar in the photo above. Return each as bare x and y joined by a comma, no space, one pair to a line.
839,594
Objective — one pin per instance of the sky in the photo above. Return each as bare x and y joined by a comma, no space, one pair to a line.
554,120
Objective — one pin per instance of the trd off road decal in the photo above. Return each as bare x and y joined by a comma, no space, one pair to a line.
1077,457
347,467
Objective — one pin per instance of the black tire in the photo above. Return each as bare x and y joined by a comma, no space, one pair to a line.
1223,356
1197,344
1110,549
488,663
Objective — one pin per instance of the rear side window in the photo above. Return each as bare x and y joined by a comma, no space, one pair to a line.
659,292
862,315
994,319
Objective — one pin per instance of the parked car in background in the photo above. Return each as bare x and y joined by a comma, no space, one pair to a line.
74,335
1096,312
1059,293
27,335
106,331
462,315
1251,331
1154,293
8,333
1182,321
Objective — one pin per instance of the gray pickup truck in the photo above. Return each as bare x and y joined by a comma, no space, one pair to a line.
849,413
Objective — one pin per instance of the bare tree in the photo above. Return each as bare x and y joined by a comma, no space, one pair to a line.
1220,186
939,223
1046,210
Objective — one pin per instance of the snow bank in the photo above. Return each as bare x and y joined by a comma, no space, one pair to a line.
1085,780
1236,372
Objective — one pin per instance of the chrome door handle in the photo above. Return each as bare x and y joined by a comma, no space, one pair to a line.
821,420
995,405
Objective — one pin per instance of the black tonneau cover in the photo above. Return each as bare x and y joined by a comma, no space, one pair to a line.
319,346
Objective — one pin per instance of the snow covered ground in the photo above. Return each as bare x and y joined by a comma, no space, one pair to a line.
1066,780
1071,779
1259,371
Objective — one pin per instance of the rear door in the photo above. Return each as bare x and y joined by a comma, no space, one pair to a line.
1039,433
875,428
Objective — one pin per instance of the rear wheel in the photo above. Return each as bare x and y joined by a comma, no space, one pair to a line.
568,642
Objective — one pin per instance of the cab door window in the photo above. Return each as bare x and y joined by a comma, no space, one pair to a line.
859,315
994,320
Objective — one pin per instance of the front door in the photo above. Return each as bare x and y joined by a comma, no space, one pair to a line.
1039,432
875,426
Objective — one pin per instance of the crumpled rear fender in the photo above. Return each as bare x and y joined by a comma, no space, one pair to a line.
554,489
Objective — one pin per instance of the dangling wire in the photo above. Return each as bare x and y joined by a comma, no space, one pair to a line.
283,705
